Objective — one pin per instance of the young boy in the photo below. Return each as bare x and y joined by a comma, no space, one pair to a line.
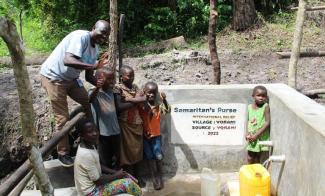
105,117
151,113
258,125
128,98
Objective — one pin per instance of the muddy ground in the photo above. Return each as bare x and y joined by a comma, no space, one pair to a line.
170,68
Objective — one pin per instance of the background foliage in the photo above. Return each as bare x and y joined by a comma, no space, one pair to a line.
46,22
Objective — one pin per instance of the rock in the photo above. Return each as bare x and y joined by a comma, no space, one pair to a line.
167,78
194,54
175,51
198,75
202,71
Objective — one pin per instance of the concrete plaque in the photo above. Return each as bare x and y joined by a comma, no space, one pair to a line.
208,124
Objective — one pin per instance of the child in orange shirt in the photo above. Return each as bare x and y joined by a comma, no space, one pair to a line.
151,112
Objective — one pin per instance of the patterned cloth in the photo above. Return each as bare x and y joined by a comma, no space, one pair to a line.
119,186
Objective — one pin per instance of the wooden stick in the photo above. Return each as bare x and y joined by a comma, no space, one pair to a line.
310,8
120,39
23,170
283,55
295,49
312,93
21,185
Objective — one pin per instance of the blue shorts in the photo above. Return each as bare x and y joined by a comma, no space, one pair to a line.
152,148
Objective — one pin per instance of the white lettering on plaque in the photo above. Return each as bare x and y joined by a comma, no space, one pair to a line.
208,124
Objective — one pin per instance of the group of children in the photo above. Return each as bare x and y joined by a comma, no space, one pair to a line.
128,120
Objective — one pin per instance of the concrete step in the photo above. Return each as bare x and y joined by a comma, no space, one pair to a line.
233,187
71,191
60,177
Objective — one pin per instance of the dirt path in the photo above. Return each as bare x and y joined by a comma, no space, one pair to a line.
174,67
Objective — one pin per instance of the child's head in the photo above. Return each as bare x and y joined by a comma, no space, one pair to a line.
151,91
259,95
127,75
87,131
108,75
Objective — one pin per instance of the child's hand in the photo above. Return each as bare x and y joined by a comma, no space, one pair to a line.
120,173
101,63
253,138
139,94
248,137
100,82
140,97
162,95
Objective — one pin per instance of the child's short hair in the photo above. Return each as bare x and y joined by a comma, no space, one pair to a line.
260,87
81,123
103,70
124,69
153,84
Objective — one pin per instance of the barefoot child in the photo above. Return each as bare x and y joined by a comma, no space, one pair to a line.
151,113
258,126
128,98
105,117
92,178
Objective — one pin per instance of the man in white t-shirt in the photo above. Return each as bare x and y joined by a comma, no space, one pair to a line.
60,73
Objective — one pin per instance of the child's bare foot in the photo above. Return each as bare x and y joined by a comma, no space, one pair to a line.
161,183
141,183
156,185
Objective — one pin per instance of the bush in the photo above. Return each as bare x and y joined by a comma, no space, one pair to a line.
161,24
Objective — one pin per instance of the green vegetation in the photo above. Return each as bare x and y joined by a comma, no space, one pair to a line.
149,21
34,39
274,33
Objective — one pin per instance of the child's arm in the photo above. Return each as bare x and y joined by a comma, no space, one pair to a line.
139,98
99,84
107,170
93,94
166,108
121,105
264,127
109,178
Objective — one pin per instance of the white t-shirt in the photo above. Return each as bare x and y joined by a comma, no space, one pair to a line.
86,170
76,43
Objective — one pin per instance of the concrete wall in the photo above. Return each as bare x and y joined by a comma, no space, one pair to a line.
187,158
297,130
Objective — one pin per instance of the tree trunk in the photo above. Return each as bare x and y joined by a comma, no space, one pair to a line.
312,53
212,42
172,4
112,48
120,40
292,74
244,14
10,35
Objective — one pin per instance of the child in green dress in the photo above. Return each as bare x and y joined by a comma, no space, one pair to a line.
258,126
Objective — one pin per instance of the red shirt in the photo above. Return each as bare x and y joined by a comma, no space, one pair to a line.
151,121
